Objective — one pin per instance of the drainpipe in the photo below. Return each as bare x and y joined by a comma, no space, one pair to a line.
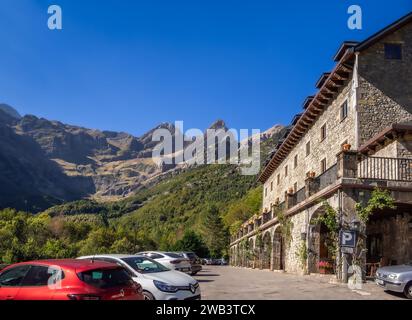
342,256
355,92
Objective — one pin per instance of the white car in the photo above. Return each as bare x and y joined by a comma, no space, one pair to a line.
157,281
171,260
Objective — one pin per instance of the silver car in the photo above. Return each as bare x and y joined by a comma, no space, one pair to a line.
396,278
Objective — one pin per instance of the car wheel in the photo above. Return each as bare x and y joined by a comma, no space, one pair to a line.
408,290
148,296
193,273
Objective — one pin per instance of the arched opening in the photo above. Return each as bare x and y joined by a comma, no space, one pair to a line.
320,258
267,250
250,253
389,238
278,251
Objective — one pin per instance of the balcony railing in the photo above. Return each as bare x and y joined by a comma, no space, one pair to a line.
328,177
349,165
378,168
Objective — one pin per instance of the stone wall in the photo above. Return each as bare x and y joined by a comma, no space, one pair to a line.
338,132
385,86
396,237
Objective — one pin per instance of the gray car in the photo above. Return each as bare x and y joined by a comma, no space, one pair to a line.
396,278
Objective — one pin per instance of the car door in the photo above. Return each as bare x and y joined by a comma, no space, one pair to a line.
10,281
36,284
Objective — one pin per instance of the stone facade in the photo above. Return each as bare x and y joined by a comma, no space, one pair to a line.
378,93
385,86
338,131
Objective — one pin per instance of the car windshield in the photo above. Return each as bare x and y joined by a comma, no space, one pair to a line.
191,255
145,265
172,255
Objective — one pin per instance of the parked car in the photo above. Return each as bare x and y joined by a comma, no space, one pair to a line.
67,279
158,282
170,260
396,278
2,266
195,261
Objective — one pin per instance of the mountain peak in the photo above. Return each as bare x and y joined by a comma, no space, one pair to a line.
10,111
218,124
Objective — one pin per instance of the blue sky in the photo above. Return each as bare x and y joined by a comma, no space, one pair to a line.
129,65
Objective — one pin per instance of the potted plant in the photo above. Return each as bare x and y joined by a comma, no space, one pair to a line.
325,267
346,147
290,191
312,174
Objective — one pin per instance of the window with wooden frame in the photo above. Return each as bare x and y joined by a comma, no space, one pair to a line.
323,132
393,51
278,179
295,162
344,111
323,166
307,148
286,171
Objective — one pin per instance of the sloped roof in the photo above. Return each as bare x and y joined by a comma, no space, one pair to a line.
328,85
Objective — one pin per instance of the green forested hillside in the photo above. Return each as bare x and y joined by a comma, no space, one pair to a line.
195,209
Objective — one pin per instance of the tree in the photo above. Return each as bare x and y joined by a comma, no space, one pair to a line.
191,241
214,232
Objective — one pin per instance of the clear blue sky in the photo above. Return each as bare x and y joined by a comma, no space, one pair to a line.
129,65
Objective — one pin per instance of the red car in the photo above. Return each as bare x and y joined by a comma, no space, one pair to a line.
67,280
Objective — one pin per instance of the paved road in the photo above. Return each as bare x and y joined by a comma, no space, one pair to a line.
228,283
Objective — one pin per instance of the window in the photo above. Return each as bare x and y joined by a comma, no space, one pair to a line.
295,187
14,276
344,110
295,161
106,278
393,51
266,192
278,179
271,186
39,276
308,148
323,166
155,255
286,171
323,132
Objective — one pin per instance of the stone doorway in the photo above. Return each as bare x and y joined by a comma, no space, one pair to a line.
389,238
278,251
267,250
318,246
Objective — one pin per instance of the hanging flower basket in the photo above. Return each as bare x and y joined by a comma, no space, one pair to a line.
346,147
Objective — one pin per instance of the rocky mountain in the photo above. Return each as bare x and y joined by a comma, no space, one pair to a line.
47,162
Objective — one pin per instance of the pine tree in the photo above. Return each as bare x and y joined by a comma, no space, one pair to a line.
215,233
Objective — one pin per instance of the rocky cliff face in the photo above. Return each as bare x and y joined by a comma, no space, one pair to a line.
45,162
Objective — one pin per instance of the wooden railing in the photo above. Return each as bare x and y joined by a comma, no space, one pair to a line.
379,168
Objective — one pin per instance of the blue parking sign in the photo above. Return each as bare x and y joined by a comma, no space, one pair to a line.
348,238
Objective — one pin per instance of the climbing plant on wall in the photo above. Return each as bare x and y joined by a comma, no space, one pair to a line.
285,224
379,200
330,220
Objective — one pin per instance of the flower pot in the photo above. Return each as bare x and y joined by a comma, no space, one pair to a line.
312,174
346,147
290,191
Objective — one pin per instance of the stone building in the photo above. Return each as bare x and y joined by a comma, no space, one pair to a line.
353,136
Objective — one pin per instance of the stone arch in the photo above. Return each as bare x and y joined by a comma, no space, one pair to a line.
267,250
317,242
278,249
250,256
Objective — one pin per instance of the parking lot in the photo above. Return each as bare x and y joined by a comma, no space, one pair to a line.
228,283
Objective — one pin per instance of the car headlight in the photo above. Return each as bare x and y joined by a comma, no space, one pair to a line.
393,276
164,286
